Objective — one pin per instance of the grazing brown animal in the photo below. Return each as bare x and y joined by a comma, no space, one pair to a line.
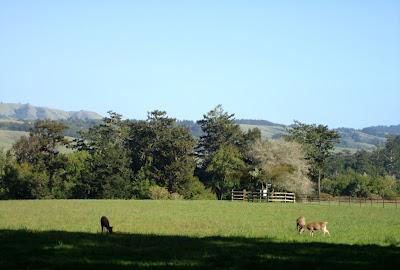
301,224
317,226
105,223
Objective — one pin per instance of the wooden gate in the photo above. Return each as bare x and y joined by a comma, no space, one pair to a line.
259,196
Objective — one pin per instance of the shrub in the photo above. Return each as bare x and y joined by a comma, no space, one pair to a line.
195,190
158,193
175,196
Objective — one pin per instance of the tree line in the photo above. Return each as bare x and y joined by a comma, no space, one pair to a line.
159,158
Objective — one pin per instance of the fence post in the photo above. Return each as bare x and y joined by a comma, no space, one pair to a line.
383,202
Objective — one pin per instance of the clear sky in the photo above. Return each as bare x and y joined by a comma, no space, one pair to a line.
325,62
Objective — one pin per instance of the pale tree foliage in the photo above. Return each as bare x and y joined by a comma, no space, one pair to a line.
282,164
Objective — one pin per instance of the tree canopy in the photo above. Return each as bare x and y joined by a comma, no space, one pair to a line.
159,158
318,142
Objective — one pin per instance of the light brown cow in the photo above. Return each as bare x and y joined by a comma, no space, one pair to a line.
301,224
317,226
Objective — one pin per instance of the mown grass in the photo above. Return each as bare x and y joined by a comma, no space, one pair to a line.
65,234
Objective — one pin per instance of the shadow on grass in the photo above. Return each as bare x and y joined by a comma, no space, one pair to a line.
68,250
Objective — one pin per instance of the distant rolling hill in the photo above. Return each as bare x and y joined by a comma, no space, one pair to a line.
16,119
351,139
18,111
382,130
269,132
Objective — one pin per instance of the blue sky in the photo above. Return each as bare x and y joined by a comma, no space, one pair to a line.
324,62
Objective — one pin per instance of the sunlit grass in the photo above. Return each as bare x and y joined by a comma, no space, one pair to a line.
347,224
65,234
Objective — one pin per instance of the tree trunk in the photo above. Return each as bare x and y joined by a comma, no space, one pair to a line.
319,185
219,193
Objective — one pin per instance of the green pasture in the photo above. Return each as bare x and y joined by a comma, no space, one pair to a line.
9,137
64,234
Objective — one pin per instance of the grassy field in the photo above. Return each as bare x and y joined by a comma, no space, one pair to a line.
194,235
267,132
8,137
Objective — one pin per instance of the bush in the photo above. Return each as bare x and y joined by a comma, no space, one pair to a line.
22,182
326,196
161,193
357,185
175,196
195,190
158,193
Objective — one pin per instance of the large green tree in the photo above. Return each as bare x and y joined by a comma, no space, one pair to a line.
219,129
318,142
391,154
222,151
108,173
162,154
38,157
42,144
225,170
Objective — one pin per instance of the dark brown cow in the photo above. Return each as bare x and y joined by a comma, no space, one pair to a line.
105,223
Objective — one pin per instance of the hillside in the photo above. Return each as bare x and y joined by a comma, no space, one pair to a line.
18,111
351,139
267,131
382,131
8,137
357,139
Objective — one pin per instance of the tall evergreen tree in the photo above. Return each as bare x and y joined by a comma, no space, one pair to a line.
108,173
162,153
222,151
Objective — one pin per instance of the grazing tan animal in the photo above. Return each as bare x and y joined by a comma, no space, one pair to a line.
301,224
105,223
317,226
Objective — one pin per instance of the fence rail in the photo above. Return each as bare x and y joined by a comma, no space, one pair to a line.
349,200
282,197
289,197
259,196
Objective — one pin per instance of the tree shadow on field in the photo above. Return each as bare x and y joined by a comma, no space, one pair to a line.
23,249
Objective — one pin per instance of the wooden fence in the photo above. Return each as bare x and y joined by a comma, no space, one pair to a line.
351,201
282,197
243,195
289,197
259,196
